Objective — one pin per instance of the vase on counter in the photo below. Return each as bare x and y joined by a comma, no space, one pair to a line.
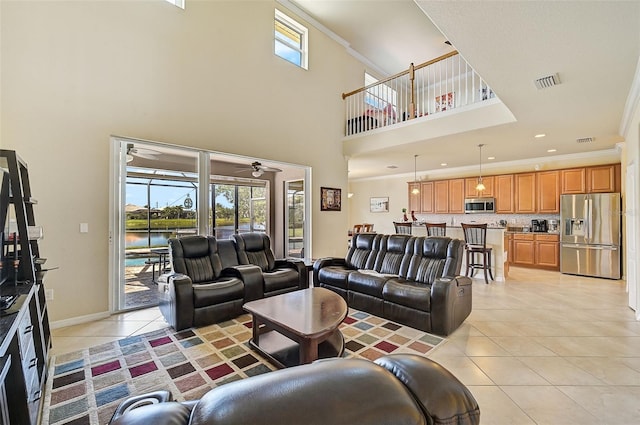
413,216
404,217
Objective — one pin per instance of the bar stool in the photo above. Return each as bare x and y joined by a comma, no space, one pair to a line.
436,229
403,227
367,228
475,237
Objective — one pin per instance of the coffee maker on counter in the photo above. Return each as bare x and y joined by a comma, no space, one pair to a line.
552,226
539,226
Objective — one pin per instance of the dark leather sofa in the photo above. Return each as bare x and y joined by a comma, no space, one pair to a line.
211,279
395,389
410,280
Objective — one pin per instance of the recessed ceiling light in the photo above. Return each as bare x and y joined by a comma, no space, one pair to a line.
391,167
491,157
538,136
551,150
444,164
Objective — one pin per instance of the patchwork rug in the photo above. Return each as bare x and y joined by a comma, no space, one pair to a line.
85,387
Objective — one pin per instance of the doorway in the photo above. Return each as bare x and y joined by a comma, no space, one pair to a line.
160,191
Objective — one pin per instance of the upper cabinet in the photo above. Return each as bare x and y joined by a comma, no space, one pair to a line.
523,193
504,194
470,184
414,198
548,190
426,191
573,181
525,190
456,196
596,179
604,178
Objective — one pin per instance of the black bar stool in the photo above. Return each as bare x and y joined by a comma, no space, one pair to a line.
436,229
478,255
403,228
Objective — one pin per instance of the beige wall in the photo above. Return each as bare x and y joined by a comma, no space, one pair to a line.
74,73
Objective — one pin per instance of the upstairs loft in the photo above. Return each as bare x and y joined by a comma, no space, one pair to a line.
440,97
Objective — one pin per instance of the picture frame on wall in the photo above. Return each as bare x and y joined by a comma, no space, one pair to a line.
379,204
444,102
330,199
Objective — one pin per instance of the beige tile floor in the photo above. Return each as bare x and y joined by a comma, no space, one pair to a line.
541,348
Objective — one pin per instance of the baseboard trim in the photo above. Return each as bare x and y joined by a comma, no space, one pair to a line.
79,320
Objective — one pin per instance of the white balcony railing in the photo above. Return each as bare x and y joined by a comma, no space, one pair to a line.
442,84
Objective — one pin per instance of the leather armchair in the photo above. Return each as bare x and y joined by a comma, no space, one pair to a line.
208,284
394,389
278,275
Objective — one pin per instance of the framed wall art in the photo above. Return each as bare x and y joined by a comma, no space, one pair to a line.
330,199
444,102
379,204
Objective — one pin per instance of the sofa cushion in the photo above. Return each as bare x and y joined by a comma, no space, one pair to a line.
393,249
408,293
334,276
223,290
362,252
367,282
280,279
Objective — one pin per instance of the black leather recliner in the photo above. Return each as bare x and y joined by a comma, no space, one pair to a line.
394,389
279,275
208,283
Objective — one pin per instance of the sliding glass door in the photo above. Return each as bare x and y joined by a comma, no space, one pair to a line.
239,207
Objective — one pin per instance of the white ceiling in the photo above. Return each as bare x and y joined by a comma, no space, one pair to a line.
593,46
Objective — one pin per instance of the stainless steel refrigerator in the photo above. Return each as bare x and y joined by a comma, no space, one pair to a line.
590,235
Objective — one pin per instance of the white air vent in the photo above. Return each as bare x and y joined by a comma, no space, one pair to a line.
548,81
585,140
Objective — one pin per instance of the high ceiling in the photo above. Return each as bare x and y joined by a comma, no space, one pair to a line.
593,46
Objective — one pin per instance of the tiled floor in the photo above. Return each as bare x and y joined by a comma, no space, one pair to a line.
542,348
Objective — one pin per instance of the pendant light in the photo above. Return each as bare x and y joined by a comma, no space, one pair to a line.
415,189
480,186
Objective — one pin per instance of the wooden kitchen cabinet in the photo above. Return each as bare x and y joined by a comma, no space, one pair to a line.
548,191
547,251
426,192
573,181
524,249
525,192
441,196
504,192
415,199
470,184
456,196
603,179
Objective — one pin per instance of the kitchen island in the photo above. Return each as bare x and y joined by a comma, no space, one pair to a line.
495,240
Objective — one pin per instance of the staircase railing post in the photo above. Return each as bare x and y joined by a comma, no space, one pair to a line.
412,104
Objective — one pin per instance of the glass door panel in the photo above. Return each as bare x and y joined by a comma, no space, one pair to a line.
224,210
294,237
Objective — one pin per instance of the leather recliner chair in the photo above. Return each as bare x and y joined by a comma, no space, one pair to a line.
208,283
394,389
279,275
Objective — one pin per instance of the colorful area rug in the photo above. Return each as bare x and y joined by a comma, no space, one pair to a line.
85,387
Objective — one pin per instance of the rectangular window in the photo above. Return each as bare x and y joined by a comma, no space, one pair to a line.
290,40
178,3
380,96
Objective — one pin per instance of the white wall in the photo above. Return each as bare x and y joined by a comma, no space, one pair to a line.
74,73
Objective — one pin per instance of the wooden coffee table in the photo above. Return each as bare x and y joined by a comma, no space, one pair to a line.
298,327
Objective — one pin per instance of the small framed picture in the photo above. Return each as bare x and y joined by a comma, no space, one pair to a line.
380,204
330,199
444,102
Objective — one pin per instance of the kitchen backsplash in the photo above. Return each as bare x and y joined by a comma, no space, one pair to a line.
513,220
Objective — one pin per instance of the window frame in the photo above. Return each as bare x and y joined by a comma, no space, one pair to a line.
298,28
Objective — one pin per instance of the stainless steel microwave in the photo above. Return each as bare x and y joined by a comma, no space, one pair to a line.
479,205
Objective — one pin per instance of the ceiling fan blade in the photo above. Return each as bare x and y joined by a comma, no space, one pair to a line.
272,169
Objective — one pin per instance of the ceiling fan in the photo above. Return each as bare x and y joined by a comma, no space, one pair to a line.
257,169
140,152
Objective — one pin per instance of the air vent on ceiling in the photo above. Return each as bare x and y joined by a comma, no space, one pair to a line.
585,140
548,81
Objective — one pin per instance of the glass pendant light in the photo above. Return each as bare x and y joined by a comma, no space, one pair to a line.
480,186
415,189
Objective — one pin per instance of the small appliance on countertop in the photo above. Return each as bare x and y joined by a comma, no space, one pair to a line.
553,226
539,226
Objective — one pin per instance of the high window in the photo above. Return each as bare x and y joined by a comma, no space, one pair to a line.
290,40
379,96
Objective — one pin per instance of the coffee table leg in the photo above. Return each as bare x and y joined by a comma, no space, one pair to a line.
308,350
256,330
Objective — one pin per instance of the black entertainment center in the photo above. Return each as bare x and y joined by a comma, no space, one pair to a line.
24,323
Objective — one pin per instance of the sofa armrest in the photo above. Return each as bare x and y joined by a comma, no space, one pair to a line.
251,276
326,262
450,303
298,266
176,301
